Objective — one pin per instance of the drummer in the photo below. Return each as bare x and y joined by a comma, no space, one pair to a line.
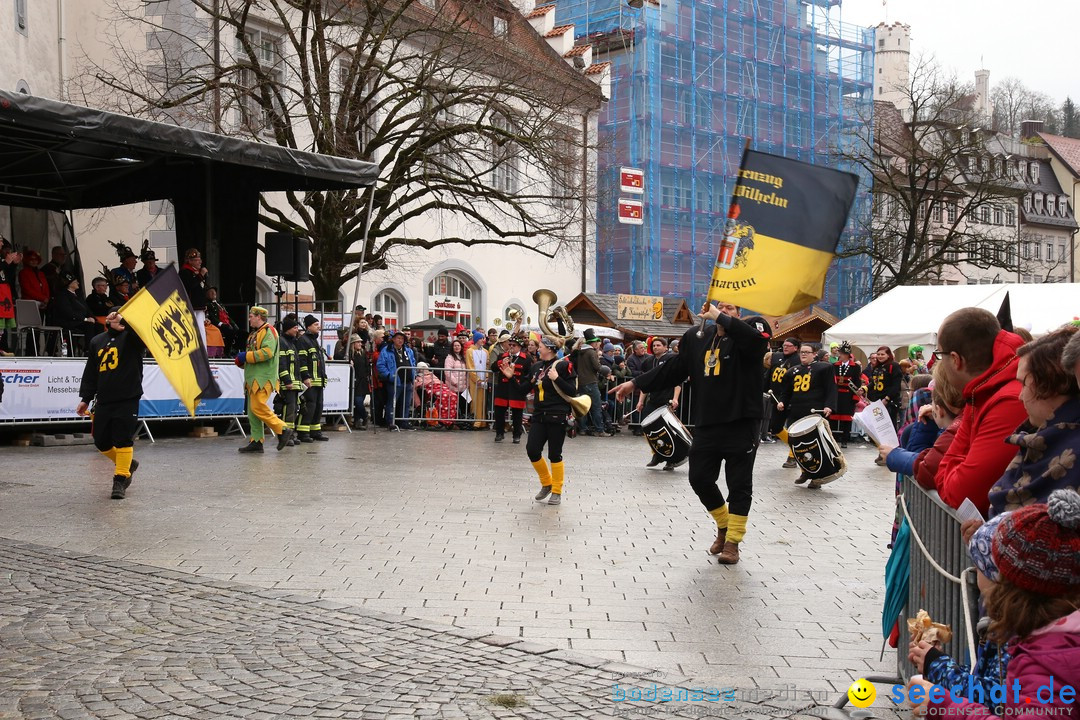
724,368
809,388
668,397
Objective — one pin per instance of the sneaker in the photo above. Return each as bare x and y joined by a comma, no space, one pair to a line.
252,447
119,487
499,437
320,437
790,463
391,428
555,499
656,460
545,490
517,439
285,438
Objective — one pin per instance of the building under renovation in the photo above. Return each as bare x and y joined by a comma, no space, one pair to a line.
692,81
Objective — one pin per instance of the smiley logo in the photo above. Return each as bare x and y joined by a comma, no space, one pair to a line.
861,693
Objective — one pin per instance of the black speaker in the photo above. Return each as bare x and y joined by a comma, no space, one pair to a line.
301,266
280,254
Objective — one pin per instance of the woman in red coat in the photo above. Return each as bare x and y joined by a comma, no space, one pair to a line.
33,285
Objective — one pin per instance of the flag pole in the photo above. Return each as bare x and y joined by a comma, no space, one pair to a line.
731,215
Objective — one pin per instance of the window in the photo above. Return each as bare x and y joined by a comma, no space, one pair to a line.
952,256
1036,251
20,16
881,43
446,285
501,27
1027,203
504,158
1010,255
936,211
1025,250
386,304
1010,216
984,214
999,215
266,49
365,115
1034,172
1050,252
1050,205
950,212
1063,207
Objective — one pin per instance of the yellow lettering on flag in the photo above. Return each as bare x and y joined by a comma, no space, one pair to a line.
168,329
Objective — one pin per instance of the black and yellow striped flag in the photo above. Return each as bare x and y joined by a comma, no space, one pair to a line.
783,225
161,315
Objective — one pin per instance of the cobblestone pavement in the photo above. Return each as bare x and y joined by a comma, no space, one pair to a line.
436,526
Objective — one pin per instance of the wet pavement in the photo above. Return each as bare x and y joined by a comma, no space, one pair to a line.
412,575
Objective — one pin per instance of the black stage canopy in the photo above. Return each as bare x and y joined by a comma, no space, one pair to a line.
58,156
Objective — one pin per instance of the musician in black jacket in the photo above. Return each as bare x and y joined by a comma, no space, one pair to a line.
809,388
114,374
548,425
724,368
848,376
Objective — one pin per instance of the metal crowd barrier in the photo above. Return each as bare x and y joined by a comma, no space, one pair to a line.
942,580
439,405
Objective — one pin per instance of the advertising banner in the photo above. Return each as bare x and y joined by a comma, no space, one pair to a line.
47,389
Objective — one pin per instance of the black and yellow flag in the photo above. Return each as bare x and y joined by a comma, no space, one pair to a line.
161,315
784,223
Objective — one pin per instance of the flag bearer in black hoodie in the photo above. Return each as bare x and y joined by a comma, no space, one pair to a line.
724,368
114,374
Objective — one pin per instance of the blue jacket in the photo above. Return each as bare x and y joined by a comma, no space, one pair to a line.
387,364
918,437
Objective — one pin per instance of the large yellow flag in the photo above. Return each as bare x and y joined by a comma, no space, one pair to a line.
785,220
161,315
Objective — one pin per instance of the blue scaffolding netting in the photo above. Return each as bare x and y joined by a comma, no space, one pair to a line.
691,81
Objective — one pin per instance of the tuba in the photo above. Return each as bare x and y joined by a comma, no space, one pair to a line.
544,298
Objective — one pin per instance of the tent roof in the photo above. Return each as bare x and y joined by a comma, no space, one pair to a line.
599,309
911,315
60,156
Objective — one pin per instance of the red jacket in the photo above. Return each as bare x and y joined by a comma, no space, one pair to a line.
929,460
34,285
979,454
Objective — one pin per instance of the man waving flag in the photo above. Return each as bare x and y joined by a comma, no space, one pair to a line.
783,225
161,315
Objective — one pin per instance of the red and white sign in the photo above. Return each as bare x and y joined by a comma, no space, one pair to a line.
631,180
630,212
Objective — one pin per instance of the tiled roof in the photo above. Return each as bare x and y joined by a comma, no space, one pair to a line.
1047,185
558,30
1047,181
540,11
597,68
1066,149
578,50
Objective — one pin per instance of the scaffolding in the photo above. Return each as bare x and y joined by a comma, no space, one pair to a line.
691,81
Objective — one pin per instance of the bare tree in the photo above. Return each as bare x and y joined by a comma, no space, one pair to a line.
1014,102
447,96
938,186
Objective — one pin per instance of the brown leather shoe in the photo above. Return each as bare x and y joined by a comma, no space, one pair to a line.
718,544
730,556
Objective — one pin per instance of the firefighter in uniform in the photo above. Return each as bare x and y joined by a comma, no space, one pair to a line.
113,374
809,388
509,390
310,427
292,370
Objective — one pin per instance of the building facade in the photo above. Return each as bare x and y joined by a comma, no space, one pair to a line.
692,83
54,48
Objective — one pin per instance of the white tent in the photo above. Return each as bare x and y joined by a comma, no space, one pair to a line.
911,315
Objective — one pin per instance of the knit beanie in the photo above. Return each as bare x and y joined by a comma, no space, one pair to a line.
310,320
477,336
1037,547
980,548
289,322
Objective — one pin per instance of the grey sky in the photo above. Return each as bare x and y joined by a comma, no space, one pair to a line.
1034,40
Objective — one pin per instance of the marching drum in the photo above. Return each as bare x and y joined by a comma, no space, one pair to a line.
815,450
667,436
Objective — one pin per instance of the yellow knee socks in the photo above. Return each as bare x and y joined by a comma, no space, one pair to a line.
556,477
720,515
123,460
110,453
736,528
541,468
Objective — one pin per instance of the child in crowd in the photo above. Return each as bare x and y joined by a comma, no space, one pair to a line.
1036,552
993,657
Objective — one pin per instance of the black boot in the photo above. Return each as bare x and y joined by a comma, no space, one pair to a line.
119,487
252,447
656,460
284,438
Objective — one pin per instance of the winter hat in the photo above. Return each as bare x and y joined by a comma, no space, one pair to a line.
980,548
261,312
289,322
761,325
549,342
608,346
477,336
1037,547
310,320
